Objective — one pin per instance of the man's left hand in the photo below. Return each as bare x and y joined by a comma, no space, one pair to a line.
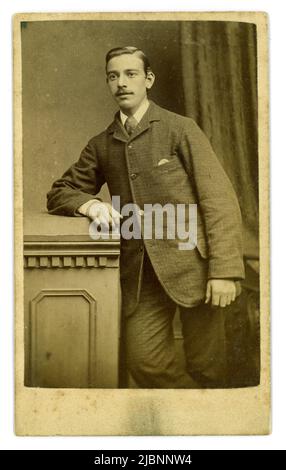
221,292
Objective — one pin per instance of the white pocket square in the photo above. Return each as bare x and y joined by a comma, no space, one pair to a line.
163,161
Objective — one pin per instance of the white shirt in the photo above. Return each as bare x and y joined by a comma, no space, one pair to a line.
139,113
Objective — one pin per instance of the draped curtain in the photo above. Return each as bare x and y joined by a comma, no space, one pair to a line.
220,87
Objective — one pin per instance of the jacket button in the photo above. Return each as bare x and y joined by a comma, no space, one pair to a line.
130,146
133,176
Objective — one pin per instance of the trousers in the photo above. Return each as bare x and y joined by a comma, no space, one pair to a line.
149,347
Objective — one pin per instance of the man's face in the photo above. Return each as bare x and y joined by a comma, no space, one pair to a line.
128,82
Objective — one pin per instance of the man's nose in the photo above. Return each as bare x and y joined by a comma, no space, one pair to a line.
121,81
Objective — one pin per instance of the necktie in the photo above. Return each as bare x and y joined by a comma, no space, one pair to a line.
130,124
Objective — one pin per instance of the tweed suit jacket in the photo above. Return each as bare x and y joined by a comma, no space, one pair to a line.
191,175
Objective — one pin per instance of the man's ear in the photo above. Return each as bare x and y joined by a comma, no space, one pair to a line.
150,79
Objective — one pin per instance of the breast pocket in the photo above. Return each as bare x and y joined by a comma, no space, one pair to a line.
168,163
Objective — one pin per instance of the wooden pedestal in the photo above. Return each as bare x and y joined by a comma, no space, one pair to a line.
72,311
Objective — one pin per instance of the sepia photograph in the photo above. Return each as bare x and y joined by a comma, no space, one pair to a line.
140,175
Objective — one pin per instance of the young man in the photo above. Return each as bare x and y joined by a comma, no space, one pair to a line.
149,155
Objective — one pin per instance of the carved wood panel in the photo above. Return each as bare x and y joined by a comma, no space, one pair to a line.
63,338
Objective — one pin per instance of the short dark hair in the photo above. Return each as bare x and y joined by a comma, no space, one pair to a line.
117,51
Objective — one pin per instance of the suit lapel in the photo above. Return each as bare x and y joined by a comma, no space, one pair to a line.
143,126
119,132
116,128
152,114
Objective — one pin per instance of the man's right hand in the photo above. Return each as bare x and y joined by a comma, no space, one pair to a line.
102,213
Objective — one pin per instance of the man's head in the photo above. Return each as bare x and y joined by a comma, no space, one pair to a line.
129,76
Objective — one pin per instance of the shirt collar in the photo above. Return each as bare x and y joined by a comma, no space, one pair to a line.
139,113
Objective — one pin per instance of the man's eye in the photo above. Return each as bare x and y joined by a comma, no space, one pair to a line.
131,74
112,77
